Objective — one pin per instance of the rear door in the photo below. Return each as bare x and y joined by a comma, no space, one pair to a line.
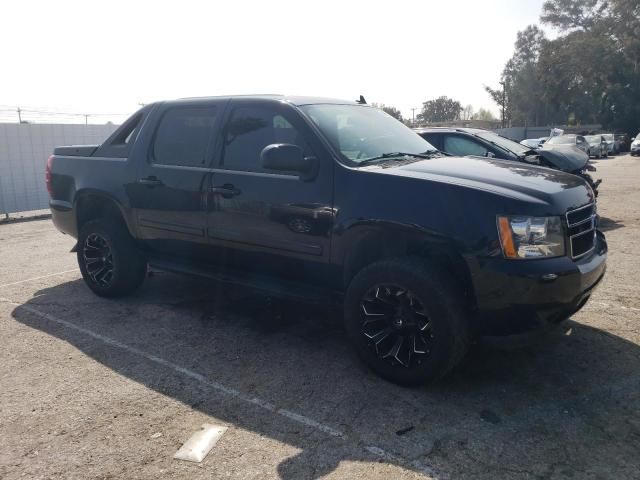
271,221
170,195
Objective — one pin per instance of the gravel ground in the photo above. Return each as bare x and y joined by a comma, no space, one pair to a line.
93,388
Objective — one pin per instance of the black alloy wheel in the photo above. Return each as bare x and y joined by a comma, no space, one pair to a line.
98,258
396,325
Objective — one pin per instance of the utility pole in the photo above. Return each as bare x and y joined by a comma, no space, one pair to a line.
86,119
504,96
19,114
413,116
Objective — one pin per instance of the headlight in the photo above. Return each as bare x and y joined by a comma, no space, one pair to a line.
531,237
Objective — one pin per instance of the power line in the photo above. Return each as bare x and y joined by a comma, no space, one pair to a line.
11,114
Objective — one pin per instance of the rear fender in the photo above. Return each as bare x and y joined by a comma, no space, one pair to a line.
90,204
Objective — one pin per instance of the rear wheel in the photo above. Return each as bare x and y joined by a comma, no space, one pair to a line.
110,263
405,321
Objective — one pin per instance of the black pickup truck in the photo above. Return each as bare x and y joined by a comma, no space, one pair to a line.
322,199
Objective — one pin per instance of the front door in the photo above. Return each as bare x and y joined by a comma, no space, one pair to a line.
170,194
272,221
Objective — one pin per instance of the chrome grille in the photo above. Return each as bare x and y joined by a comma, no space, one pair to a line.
581,224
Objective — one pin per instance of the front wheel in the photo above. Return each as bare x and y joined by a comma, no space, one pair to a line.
109,261
404,318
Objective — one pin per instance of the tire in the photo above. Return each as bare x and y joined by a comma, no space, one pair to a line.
435,333
110,263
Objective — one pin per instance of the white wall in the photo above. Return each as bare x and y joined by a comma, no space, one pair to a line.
24,149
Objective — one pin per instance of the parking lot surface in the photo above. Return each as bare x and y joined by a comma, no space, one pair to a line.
96,388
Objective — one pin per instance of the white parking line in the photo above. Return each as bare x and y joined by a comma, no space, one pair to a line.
38,278
223,389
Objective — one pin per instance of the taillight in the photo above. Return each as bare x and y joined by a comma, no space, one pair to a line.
47,175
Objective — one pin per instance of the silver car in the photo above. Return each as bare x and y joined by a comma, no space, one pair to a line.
597,146
635,145
575,140
613,145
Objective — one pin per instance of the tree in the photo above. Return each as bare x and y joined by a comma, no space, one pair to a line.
608,30
393,111
520,94
441,109
573,14
590,73
467,112
484,114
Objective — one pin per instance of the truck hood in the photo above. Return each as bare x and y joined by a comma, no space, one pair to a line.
512,179
564,157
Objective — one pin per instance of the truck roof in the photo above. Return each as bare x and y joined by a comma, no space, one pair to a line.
448,129
292,99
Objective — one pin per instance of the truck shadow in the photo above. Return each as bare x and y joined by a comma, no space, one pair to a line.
566,400
607,224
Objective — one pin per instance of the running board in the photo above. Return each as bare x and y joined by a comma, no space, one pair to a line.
265,284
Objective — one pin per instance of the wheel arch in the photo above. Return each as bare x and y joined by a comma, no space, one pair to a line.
393,241
91,204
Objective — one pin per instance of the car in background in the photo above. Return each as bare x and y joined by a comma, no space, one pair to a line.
570,139
635,145
533,142
613,145
623,142
597,146
485,143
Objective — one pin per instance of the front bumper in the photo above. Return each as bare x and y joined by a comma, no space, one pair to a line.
635,150
515,296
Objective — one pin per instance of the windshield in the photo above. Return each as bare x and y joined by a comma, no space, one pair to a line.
593,139
608,137
562,140
359,132
503,142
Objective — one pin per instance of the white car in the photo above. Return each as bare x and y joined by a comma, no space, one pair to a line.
635,145
533,142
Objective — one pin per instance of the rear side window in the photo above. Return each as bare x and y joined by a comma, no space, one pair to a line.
458,145
249,130
183,136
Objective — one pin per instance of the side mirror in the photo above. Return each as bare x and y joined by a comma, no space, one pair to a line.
490,155
285,157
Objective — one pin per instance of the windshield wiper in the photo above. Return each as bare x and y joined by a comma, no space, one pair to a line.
386,156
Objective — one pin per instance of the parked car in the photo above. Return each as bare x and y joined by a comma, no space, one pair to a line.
635,145
423,251
597,146
569,139
533,142
484,143
612,144
623,142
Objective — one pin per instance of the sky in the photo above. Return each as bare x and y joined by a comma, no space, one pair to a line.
107,57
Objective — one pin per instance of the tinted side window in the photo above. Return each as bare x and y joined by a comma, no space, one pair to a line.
434,139
249,130
457,145
183,136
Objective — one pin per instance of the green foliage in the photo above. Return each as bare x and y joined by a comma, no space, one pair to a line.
589,74
484,114
393,111
441,109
